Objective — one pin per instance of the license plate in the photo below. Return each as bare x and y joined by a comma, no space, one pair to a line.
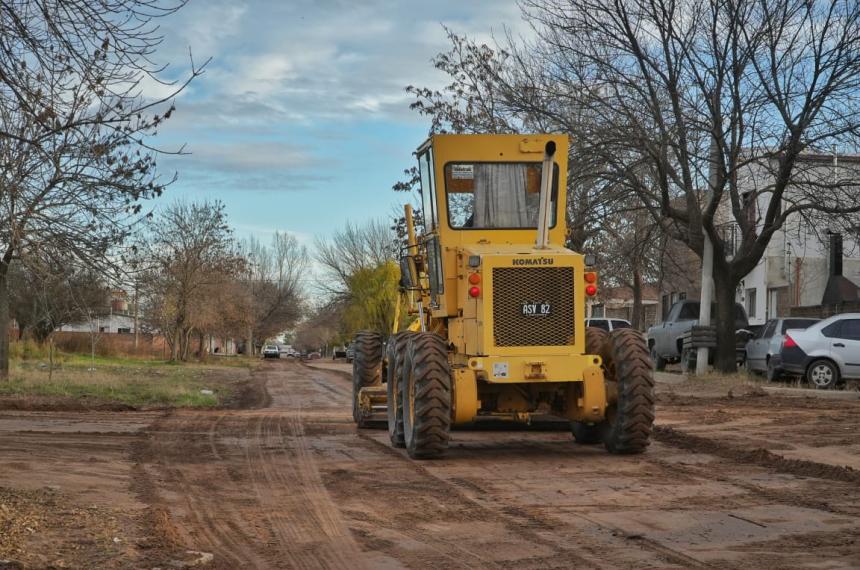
536,309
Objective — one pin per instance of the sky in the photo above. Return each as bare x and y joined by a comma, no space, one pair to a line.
300,122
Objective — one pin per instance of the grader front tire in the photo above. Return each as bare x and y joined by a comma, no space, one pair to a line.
395,353
426,389
630,418
584,433
366,367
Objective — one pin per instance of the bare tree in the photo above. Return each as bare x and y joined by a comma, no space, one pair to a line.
75,160
53,293
187,252
352,249
709,112
273,285
628,246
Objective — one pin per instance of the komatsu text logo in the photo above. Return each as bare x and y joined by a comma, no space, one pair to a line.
533,261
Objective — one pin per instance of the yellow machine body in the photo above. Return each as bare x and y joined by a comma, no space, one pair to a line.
512,308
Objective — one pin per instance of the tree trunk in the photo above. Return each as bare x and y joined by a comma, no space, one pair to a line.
724,296
186,343
249,345
637,316
4,322
201,351
174,348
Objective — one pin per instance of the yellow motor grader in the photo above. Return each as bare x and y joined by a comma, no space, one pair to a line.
499,306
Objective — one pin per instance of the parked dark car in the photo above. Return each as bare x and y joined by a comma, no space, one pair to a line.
767,342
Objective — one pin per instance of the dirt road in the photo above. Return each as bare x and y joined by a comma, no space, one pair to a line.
288,482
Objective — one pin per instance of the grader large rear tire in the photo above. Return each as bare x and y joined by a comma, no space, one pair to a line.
627,369
395,353
426,389
366,367
583,433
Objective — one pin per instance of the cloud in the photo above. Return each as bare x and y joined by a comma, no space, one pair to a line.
249,156
332,60
247,166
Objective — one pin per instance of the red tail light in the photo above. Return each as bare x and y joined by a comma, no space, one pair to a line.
788,342
590,290
474,292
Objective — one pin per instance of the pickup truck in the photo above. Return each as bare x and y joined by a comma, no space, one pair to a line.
664,339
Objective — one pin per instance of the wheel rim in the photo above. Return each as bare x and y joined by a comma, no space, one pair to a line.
821,375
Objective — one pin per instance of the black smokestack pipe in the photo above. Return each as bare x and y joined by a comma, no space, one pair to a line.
835,254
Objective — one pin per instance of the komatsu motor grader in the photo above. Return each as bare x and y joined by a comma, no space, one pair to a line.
499,309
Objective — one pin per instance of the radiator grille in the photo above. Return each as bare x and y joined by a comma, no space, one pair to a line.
513,286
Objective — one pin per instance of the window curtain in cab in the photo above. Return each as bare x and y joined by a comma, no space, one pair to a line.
500,197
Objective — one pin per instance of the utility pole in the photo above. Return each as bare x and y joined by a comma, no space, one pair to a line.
136,319
707,264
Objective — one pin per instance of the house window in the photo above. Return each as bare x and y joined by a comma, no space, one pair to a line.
751,308
123,330
749,204
102,329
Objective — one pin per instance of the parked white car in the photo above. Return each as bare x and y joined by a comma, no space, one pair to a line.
826,353
608,324
271,351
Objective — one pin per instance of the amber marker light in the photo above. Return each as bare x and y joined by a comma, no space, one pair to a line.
474,292
474,278
590,277
591,290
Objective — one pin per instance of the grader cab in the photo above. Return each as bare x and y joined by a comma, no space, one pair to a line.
499,309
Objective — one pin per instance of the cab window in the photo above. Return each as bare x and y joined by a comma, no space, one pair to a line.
488,195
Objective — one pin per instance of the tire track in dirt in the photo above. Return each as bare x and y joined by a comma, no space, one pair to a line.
533,524
521,521
295,485
247,487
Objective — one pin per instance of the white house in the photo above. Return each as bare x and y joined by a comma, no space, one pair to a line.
796,267
111,323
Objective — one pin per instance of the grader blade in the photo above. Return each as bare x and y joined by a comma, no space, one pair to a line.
373,406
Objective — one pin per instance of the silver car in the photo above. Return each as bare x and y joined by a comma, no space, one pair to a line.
826,353
767,342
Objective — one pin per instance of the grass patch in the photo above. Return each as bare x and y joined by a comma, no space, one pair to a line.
134,382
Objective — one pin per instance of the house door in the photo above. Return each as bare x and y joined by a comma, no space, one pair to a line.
772,303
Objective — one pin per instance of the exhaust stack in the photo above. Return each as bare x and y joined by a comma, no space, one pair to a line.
544,210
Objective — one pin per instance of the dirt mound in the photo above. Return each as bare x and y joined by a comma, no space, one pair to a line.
249,394
755,456
61,404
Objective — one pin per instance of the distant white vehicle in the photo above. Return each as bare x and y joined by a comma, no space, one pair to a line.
608,324
271,351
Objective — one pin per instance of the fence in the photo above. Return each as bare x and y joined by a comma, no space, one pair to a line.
104,344
824,311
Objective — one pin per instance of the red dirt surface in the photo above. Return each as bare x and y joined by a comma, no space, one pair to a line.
285,480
